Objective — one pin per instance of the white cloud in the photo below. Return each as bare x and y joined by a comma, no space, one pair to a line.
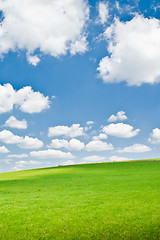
134,49
127,8
103,12
120,130
7,100
25,98
155,136
12,122
73,144
89,122
98,145
118,6
9,138
52,27
30,143
118,159
51,153
23,142
74,131
68,162
100,136
23,155
119,116
79,46
3,149
135,148
30,101
94,158
58,143
34,60
89,125
20,164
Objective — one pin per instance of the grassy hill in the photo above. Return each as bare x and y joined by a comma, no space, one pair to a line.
91,201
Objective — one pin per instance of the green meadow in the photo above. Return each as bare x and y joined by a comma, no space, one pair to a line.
90,201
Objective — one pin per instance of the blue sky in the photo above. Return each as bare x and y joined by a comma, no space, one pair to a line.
80,82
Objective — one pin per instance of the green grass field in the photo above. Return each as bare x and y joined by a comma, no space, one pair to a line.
91,201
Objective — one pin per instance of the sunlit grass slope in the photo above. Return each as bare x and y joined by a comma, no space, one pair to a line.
92,201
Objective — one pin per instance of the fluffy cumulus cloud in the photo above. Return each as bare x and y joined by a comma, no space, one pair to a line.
30,101
30,143
118,159
12,122
120,130
155,136
120,116
51,153
3,149
103,12
134,52
23,142
73,144
93,158
101,136
135,148
73,131
25,99
9,138
97,145
53,27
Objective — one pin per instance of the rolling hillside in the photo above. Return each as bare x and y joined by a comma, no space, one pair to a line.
91,201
